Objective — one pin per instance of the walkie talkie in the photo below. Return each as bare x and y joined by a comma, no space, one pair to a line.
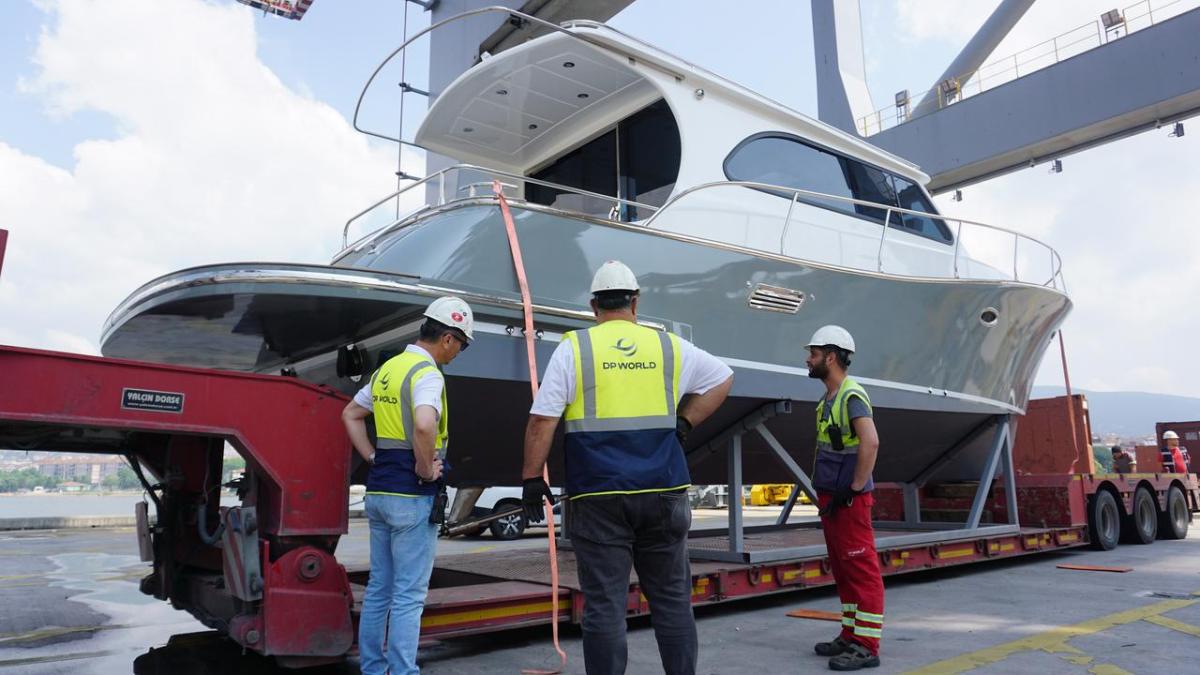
835,437
441,500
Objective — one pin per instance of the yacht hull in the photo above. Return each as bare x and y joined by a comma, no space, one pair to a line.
934,370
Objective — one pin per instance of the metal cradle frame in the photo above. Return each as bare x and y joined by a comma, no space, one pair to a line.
915,531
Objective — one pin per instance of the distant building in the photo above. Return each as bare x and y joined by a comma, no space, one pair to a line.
17,464
89,469
71,486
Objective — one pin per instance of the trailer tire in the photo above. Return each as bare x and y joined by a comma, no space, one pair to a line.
1143,524
510,528
1173,521
1104,521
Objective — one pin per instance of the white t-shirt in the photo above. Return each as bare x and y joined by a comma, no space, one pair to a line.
699,372
427,390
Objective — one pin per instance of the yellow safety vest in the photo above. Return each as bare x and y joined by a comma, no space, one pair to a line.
620,427
391,394
394,471
840,415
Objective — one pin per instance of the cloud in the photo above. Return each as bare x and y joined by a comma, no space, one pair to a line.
69,342
1121,217
943,20
214,160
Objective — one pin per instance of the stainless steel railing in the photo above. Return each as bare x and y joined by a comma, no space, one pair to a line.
1053,279
441,180
1011,270
677,203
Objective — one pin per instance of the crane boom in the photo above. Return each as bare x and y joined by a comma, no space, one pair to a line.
288,9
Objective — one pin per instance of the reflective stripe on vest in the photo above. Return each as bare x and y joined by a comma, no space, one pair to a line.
394,427
840,413
582,413
620,427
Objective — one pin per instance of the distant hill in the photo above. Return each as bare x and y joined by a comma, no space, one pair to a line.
1130,413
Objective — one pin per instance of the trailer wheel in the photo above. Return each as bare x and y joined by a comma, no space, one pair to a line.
1141,526
1173,522
511,527
1104,521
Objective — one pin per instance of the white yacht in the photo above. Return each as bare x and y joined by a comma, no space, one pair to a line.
748,223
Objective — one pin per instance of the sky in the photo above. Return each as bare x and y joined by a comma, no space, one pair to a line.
139,137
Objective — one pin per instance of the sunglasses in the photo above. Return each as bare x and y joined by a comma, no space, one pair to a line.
461,341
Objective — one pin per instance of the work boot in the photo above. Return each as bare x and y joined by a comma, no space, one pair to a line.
854,657
832,648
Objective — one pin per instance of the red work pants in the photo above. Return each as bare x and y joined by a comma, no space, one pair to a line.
855,565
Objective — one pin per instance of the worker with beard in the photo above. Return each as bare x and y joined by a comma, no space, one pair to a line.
847,445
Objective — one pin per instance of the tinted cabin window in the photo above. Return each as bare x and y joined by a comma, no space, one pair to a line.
910,196
649,143
591,167
788,162
637,160
871,185
782,161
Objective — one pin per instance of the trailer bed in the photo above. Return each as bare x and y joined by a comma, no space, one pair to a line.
472,594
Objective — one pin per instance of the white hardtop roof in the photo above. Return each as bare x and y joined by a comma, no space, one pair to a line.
530,103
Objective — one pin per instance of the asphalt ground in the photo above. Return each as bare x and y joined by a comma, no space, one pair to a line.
69,604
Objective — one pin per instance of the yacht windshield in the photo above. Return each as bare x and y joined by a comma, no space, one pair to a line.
782,159
637,159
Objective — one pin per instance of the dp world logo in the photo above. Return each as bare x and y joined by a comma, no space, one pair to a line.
384,380
626,347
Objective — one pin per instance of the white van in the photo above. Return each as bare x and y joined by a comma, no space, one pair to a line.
493,500
498,500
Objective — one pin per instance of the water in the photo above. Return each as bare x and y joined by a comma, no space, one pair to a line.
35,506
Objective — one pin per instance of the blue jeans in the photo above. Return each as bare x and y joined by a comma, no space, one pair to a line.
402,546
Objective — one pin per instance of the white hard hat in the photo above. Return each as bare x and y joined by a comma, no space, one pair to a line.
832,335
453,312
614,275
1170,434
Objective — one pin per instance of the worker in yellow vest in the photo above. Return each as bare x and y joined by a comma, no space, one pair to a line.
619,385
847,444
407,396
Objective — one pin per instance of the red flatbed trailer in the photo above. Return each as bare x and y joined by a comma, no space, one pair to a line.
516,604
269,579
506,584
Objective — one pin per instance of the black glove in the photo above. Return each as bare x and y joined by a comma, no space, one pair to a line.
682,428
844,497
533,492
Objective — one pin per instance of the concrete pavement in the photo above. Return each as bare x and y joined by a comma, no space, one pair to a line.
69,604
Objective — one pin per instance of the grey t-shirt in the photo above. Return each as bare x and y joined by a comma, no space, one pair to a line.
855,408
